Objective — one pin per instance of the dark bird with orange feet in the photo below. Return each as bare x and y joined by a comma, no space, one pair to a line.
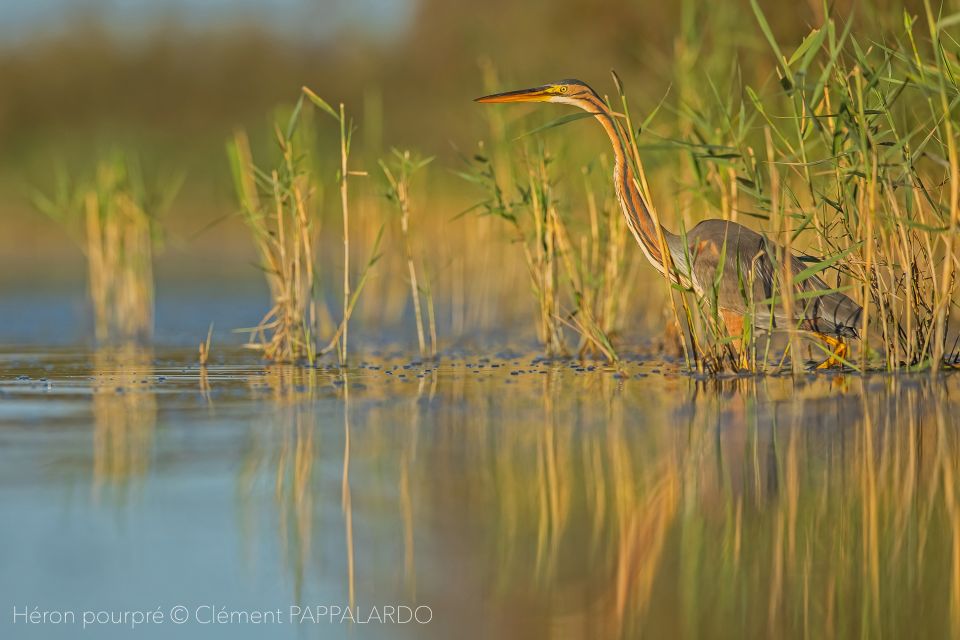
733,263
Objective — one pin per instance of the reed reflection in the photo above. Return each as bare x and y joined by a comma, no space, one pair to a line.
124,411
283,452
767,507
617,507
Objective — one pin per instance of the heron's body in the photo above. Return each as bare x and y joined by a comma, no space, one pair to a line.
739,265
733,266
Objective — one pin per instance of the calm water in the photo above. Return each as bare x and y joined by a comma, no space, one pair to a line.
503,496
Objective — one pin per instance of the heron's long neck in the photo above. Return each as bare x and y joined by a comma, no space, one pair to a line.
641,222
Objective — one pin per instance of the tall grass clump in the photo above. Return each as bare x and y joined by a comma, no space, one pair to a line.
113,216
280,206
845,156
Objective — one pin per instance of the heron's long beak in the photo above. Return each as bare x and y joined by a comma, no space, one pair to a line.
538,94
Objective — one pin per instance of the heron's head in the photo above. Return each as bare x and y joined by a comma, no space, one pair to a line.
572,92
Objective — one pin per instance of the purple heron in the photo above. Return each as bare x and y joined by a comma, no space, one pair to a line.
735,267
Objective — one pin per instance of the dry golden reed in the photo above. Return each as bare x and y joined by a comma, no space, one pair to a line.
280,208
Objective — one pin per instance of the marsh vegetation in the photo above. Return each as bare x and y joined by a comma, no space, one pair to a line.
445,374
845,155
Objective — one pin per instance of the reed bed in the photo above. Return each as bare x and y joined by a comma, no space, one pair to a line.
847,156
441,264
844,155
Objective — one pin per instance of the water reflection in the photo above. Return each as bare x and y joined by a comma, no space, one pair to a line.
591,506
124,411
535,499
283,451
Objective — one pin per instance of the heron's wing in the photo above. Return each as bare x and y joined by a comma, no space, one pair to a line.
738,270
731,266
816,306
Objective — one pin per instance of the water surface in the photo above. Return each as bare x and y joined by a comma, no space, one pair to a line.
505,495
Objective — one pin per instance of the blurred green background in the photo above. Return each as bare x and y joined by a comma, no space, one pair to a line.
171,79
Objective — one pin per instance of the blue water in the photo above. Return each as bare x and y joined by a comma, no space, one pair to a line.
60,317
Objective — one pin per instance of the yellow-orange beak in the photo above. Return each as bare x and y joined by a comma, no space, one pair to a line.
538,94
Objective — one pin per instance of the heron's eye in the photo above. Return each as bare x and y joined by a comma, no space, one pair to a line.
562,88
